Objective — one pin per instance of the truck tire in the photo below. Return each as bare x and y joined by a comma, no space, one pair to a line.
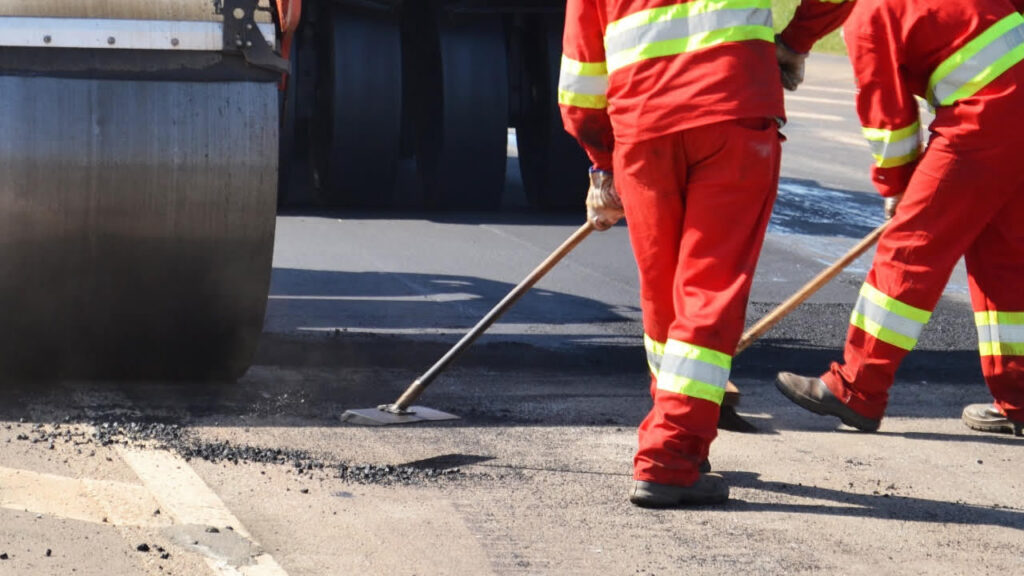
460,94
359,105
552,163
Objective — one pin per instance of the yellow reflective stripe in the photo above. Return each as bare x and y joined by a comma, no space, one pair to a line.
676,11
893,305
882,333
686,350
1001,348
897,161
689,44
583,68
989,317
978,62
883,135
693,388
582,100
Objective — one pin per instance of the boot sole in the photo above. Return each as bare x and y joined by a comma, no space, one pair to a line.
997,427
813,405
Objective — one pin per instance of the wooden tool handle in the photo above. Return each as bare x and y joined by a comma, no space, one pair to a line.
780,311
420,384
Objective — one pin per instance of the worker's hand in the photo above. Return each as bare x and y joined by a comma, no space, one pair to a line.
791,65
604,208
890,205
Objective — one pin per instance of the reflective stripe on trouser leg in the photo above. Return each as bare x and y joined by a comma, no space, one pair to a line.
689,370
1001,345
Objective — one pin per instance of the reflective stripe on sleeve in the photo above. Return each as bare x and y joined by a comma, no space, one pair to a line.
894,147
671,30
888,319
582,84
1000,333
694,371
978,62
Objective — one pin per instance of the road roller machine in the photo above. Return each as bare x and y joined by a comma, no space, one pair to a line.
146,147
138,186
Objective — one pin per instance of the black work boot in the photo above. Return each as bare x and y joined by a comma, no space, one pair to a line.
709,489
814,395
989,418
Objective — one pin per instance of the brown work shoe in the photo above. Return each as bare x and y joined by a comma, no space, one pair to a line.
989,418
709,489
814,395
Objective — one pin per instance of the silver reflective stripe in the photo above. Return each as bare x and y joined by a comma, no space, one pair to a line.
116,34
693,369
888,320
975,66
580,84
680,28
1001,333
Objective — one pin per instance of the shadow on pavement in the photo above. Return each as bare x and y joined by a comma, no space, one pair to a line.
885,505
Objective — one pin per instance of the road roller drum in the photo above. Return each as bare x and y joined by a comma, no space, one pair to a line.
138,197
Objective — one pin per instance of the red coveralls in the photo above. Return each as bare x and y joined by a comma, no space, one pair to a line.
963,197
679,100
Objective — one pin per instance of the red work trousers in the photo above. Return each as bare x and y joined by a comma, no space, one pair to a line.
969,203
697,204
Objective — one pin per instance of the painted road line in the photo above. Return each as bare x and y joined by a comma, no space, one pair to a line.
441,297
816,100
812,116
84,499
831,89
184,495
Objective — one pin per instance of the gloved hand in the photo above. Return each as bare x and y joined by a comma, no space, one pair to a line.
604,208
890,205
791,65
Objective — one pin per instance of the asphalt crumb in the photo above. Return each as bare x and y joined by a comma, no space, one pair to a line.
185,443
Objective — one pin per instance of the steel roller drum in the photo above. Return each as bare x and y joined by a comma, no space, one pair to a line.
136,224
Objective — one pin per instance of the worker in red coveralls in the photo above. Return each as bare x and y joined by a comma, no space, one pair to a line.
678,105
964,196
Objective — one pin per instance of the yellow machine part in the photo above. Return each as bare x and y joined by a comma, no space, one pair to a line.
136,216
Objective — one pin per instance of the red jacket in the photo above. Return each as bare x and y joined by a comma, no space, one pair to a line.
633,70
899,49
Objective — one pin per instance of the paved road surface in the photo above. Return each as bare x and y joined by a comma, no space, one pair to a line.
260,478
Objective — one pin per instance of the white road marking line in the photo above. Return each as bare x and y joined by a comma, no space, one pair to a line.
87,500
444,297
828,89
838,102
184,495
813,116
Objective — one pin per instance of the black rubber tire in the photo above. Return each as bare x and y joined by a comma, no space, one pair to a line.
359,109
552,164
461,109
295,170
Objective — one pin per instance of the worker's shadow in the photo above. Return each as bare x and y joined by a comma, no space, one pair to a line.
881,504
